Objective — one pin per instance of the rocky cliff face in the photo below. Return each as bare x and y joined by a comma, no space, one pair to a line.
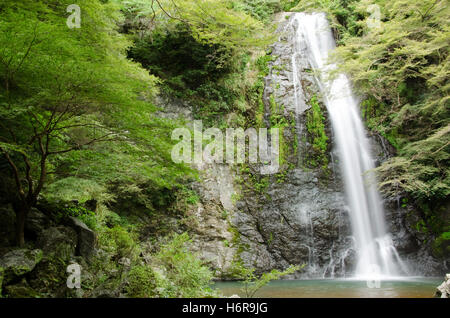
209,219
302,218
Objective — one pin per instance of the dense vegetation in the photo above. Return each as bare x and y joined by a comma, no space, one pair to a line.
79,124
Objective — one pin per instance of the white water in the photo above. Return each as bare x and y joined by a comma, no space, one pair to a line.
376,254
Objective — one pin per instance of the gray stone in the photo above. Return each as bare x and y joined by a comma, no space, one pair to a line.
86,238
19,262
36,222
58,241
304,220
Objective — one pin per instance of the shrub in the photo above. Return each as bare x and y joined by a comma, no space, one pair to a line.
119,242
185,275
141,282
441,246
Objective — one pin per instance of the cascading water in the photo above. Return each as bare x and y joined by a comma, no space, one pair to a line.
376,253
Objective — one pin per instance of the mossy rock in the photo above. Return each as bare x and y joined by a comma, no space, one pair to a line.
58,241
141,282
21,290
19,262
441,245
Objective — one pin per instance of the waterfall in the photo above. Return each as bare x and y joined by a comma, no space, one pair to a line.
375,251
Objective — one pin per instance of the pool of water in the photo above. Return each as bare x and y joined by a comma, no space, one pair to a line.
411,287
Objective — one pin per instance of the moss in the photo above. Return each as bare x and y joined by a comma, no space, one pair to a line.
421,227
317,137
50,275
257,91
74,210
441,245
119,242
21,290
141,282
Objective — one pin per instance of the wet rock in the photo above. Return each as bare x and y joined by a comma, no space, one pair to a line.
443,290
304,219
19,262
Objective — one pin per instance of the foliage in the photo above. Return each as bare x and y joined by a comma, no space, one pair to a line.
184,273
252,283
342,14
64,91
119,242
210,21
179,58
209,71
88,217
76,189
141,282
403,66
261,10
317,136
441,246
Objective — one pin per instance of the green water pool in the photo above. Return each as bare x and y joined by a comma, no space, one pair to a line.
411,287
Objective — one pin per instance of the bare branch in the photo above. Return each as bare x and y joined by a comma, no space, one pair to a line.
169,15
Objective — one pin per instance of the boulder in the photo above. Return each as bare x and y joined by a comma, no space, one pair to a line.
86,238
59,241
21,290
443,290
36,223
19,262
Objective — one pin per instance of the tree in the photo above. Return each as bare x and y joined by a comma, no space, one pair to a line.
210,21
64,90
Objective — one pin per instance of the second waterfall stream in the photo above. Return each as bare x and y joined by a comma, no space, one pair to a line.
376,254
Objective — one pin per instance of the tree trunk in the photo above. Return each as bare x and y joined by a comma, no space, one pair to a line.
21,214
